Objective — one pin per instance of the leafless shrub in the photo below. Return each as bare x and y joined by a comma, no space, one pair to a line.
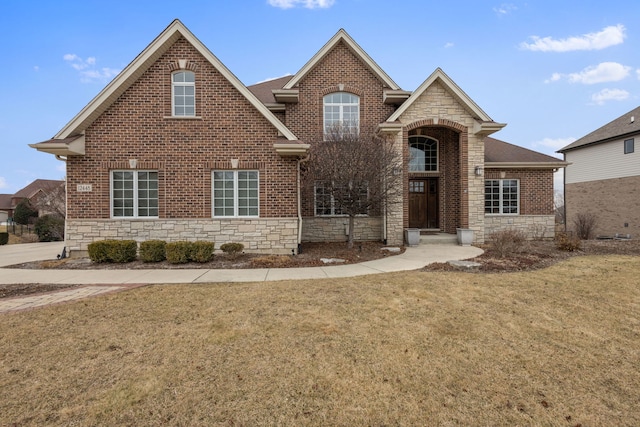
507,241
568,242
585,224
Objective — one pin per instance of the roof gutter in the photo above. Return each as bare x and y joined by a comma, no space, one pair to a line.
526,165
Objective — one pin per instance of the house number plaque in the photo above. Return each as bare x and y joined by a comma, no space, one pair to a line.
84,188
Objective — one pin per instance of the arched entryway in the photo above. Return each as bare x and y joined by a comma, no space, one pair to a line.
435,196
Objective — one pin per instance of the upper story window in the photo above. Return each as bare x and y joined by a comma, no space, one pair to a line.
423,154
628,146
341,113
183,88
134,194
502,196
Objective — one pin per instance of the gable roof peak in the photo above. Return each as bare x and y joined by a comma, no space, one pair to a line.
141,64
441,77
342,36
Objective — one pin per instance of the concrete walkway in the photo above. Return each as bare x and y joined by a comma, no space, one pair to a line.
101,281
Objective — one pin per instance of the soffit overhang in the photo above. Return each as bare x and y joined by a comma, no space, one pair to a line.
291,149
72,146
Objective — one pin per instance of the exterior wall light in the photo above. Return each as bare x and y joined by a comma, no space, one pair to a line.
479,170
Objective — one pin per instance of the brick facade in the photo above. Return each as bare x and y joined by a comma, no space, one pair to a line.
614,201
184,151
136,131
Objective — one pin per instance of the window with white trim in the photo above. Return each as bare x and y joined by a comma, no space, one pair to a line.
502,196
134,194
341,109
629,146
183,96
236,193
423,154
326,195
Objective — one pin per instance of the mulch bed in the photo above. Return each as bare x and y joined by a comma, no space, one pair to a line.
534,255
531,256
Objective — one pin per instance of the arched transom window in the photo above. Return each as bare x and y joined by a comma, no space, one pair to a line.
341,111
183,87
423,152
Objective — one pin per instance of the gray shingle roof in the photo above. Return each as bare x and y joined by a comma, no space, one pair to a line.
262,91
620,127
496,151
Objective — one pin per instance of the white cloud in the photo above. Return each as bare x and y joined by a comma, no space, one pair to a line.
309,4
638,73
554,143
609,95
448,45
86,67
601,73
3,182
609,36
504,9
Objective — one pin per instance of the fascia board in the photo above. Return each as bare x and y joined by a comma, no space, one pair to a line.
526,165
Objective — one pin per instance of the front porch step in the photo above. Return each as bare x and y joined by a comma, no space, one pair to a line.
438,239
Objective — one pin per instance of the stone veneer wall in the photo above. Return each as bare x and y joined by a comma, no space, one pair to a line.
260,235
334,229
532,225
437,107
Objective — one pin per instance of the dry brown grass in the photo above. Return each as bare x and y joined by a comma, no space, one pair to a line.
559,346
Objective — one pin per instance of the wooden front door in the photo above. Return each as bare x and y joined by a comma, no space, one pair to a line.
423,203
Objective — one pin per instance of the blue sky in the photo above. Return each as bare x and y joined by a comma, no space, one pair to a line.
552,70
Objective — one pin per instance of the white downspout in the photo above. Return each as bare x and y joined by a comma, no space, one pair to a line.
300,161
66,201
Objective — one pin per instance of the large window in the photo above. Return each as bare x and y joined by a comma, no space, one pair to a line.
423,154
628,146
502,196
235,194
329,197
183,93
342,112
134,194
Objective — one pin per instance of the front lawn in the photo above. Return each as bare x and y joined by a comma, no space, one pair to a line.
556,346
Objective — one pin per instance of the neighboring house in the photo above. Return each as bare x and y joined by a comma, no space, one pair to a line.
37,193
6,211
603,176
177,148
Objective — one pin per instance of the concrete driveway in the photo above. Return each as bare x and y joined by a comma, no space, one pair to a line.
26,252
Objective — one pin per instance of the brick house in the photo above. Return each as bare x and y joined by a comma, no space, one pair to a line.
37,192
603,176
177,148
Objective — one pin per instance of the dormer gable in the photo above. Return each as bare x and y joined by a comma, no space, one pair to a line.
484,125
393,93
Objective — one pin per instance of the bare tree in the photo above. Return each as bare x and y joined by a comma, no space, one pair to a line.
51,200
353,173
